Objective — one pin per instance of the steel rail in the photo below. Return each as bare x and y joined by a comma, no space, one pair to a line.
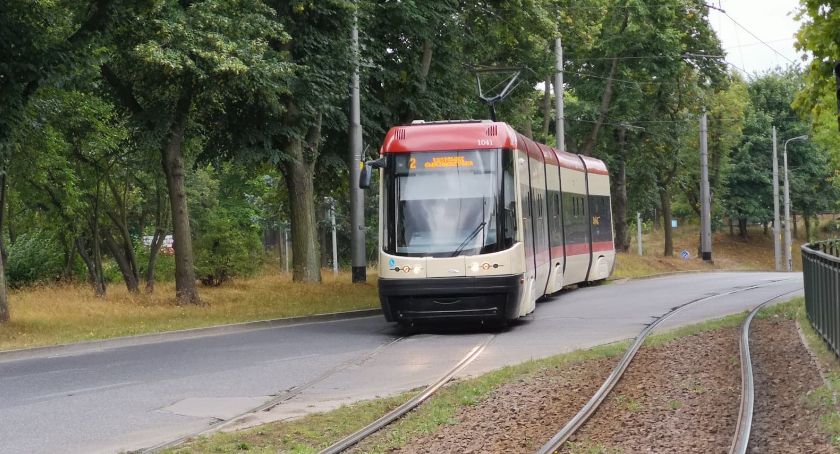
398,412
741,439
557,441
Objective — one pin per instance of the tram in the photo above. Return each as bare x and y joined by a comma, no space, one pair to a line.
477,221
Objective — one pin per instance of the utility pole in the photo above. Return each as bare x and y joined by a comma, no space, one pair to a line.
357,208
558,95
331,216
639,231
788,251
705,195
777,223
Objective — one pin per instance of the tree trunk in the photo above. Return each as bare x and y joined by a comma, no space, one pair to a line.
793,222
175,172
3,253
157,242
299,181
742,228
764,225
9,226
525,109
622,232
547,110
129,276
807,220
603,109
4,304
70,258
665,200
94,276
120,220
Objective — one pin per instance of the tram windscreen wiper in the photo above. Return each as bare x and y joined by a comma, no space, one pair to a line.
469,238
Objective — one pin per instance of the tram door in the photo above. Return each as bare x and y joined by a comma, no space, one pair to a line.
524,189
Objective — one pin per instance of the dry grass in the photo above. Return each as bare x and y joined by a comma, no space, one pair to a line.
69,313
728,253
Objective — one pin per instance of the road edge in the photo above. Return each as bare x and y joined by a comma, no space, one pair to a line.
184,334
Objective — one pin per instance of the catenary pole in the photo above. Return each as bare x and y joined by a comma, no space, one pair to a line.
639,231
705,195
558,95
357,221
777,223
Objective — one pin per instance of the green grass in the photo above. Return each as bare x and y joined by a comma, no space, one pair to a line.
59,314
314,432
824,399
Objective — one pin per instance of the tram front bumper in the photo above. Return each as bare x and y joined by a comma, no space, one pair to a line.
490,298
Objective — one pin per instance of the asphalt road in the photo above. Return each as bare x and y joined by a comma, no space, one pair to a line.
132,397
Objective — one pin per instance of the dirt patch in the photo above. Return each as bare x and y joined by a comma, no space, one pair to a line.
681,397
783,421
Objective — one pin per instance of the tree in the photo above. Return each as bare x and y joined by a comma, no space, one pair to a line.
182,56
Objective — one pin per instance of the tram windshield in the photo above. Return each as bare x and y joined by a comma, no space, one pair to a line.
445,204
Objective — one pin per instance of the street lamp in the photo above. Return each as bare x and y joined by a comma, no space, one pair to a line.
788,252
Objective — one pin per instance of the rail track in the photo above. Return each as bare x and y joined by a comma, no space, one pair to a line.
398,412
739,442
741,438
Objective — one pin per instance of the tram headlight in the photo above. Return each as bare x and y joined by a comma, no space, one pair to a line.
474,267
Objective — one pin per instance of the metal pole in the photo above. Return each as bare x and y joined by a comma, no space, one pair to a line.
788,250
705,195
777,223
788,256
334,243
357,208
639,231
560,127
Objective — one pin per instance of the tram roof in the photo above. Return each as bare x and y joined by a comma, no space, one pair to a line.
477,135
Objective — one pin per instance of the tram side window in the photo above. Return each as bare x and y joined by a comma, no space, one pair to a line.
574,219
601,218
556,233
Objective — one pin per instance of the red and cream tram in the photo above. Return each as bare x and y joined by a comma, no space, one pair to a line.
479,221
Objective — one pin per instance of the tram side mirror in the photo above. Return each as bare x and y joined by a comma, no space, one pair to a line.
365,174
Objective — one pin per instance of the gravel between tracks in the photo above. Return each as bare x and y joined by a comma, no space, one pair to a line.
679,397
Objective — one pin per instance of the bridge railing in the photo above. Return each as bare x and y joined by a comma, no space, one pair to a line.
821,269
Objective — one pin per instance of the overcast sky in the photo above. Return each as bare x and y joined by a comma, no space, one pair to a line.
770,20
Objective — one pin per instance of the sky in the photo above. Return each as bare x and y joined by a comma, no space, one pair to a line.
770,20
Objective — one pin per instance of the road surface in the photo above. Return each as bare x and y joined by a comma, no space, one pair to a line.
102,399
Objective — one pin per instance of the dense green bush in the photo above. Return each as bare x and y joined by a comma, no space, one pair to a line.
225,223
34,257
226,247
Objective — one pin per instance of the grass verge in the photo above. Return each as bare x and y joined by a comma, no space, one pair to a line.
62,314
314,432
825,398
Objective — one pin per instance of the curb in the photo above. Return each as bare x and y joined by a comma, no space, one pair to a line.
676,273
184,334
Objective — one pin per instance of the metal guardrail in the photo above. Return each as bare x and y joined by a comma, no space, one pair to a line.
821,269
